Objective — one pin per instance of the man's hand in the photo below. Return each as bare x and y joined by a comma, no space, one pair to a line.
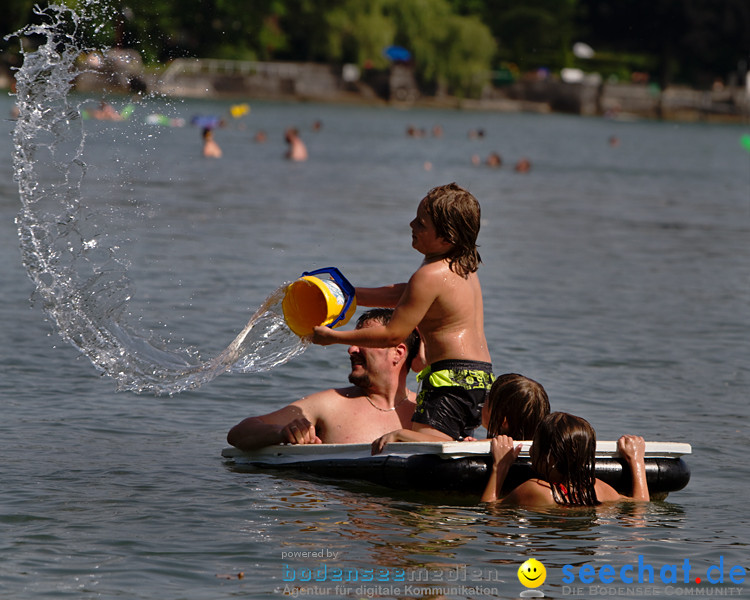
300,431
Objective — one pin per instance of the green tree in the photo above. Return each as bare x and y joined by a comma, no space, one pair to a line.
359,30
533,33
690,42
15,14
451,51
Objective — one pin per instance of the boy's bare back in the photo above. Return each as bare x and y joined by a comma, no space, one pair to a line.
453,325
443,300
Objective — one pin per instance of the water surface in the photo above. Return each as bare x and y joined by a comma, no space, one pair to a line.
618,277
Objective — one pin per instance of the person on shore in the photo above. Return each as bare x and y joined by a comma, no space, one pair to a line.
563,454
443,299
210,147
377,402
297,150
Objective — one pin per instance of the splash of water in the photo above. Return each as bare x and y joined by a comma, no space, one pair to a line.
82,280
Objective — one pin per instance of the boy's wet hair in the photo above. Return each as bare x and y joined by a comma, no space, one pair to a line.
456,215
383,316
567,444
521,401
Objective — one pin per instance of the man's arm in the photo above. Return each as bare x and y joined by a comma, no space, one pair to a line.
288,424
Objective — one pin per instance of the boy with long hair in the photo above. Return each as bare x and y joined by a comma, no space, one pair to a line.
443,300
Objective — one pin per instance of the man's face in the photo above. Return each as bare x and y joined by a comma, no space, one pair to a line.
368,362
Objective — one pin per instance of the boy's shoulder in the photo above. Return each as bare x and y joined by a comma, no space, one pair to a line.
439,269
438,265
432,273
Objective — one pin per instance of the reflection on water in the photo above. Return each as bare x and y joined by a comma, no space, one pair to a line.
427,544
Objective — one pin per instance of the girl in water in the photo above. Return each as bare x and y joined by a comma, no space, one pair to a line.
514,407
562,453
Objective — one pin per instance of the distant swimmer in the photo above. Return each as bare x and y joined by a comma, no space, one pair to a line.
414,132
494,160
210,147
105,112
523,166
260,136
297,150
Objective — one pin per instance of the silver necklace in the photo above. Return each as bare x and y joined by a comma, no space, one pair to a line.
388,409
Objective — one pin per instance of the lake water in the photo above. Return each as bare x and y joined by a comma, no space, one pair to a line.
617,276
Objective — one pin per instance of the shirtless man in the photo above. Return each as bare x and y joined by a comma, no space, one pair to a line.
297,149
443,299
377,403
210,147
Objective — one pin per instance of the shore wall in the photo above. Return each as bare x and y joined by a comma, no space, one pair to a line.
615,99
310,81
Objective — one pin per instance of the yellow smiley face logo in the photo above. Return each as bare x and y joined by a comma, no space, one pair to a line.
532,573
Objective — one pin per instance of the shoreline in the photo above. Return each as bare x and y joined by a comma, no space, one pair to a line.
310,82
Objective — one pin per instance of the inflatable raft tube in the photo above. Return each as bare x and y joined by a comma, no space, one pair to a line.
454,466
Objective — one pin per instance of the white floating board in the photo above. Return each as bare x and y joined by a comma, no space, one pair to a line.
296,453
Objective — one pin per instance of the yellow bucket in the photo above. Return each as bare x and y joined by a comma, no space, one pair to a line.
310,301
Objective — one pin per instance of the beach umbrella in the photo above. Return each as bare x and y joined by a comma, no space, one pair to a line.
397,53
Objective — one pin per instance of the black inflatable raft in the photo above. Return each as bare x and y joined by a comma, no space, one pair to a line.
454,466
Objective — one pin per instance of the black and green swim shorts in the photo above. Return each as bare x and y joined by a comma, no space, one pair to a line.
452,394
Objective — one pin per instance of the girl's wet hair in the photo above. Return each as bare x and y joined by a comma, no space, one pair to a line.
521,401
565,446
456,215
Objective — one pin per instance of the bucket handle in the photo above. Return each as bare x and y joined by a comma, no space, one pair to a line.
343,283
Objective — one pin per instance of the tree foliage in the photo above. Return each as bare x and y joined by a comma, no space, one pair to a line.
454,43
693,42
